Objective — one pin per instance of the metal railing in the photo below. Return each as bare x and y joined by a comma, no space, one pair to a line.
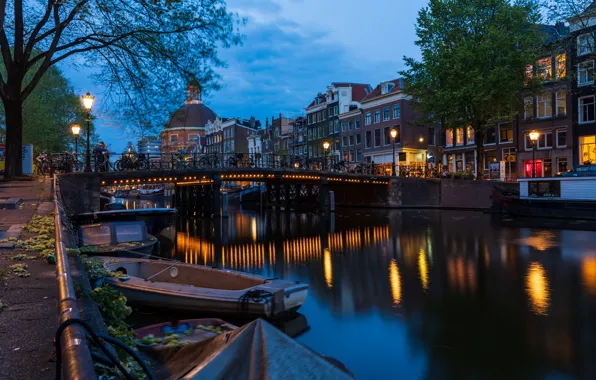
76,357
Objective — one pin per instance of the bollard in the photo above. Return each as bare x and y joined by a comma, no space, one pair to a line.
224,205
332,201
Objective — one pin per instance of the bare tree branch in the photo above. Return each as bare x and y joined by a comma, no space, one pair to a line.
37,28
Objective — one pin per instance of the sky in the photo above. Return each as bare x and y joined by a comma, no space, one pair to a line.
292,50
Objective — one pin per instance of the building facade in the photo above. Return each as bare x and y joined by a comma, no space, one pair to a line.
298,137
185,128
230,135
149,146
385,108
352,141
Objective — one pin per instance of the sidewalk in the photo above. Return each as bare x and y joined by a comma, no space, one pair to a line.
28,323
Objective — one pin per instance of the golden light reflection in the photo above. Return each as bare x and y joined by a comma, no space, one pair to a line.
327,267
253,229
423,268
538,289
541,241
395,282
589,274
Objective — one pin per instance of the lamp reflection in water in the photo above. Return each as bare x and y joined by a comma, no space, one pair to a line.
589,274
423,268
253,229
538,289
327,267
395,282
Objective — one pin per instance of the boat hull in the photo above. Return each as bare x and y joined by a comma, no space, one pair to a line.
549,208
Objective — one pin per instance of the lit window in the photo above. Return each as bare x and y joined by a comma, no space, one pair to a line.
470,134
585,73
460,136
587,149
544,105
529,73
585,44
545,67
561,101
586,109
449,137
506,132
561,65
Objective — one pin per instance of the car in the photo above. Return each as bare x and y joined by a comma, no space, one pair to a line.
581,171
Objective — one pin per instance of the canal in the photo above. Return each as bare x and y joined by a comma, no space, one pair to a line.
420,294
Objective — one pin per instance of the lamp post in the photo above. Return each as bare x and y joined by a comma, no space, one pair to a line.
76,130
394,137
326,149
88,103
534,135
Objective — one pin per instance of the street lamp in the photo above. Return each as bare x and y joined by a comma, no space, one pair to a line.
326,148
88,103
421,139
76,130
394,137
534,135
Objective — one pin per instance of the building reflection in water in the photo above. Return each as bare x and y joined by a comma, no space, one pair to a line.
538,288
459,281
395,282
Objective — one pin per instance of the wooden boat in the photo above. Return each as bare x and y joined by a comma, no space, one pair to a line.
122,239
559,197
155,219
203,289
151,338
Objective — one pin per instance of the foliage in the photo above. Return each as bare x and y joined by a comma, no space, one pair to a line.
3,277
94,267
44,241
20,270
22,256
141,51
474,58
462,175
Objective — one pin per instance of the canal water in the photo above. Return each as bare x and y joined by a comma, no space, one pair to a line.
420,294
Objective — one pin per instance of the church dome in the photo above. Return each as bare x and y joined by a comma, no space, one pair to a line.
194,113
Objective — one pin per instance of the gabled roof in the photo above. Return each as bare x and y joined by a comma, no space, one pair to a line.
377,90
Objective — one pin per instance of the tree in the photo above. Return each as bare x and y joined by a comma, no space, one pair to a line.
474,59
140,49
51,109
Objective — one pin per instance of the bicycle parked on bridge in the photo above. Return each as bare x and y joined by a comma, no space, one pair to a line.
210,161
132,161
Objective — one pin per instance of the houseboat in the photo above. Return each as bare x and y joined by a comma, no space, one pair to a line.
558,197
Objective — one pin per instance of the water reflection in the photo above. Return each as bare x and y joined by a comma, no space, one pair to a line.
469,291
538,288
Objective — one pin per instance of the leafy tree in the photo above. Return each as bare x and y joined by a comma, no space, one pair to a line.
474,58
140,49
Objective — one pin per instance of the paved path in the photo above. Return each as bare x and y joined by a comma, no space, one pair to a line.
28,324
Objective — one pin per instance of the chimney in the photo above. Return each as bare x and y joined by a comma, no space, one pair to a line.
252,122
267,123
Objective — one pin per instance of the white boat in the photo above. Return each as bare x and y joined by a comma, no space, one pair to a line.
196,288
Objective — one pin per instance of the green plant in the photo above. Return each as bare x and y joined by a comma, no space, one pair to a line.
3,276
112,304
22,256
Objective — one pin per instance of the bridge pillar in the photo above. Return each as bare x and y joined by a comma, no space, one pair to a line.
277,194
216,189
286,192
323,194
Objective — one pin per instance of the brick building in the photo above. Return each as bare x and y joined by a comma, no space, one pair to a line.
230,135
298,137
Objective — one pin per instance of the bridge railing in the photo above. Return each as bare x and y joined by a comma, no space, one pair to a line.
133,161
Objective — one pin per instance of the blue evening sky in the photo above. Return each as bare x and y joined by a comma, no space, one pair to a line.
292,50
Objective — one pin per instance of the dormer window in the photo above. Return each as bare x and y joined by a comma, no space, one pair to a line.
386,87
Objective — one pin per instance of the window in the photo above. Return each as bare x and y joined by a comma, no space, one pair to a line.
528,145
310,119
545,67
449,137
330,128
193,138
368,139
545,140
336,126
386,132
386,113
173,138
396,111
561,65
470,134
587,149
344,126
459,137
528,108
544,105
358,139
359,154
506,132
351,140
562,101
431,136
377,116
585,44
351,124
345,154
490,136
585,73
357,123
351,155
367,119
561,164
561,138
377,137
337,109
586,109
345,141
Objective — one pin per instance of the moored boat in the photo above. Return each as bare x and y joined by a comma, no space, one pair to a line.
126,239
196,288
558,197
